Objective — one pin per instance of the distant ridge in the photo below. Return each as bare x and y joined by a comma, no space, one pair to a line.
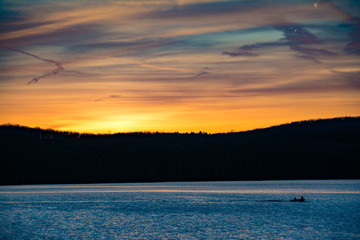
295,123
312,149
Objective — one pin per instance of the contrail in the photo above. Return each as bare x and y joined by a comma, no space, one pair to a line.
59,67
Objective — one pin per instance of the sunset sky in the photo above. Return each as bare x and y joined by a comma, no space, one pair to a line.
177,65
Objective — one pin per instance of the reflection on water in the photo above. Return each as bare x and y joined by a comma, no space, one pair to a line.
192,210
298,186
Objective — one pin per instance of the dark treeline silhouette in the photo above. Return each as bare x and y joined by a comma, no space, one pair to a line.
315,149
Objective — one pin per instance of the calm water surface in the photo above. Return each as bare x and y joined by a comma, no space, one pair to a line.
195,210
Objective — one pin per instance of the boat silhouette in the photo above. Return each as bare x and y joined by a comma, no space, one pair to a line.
301,199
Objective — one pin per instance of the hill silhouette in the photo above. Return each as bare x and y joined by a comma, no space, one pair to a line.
314,149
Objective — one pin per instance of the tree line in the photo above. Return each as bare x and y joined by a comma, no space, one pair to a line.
314,149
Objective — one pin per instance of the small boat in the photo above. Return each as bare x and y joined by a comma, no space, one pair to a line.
301,199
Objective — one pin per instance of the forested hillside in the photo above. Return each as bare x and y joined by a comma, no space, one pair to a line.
316,149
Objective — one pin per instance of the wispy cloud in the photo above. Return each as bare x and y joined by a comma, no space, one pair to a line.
204,73
59,67
334,82
295,37
107,98
184,62
354,46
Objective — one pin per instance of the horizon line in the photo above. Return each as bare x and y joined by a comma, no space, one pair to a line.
175,132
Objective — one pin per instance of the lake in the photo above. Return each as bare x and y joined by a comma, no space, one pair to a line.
182,210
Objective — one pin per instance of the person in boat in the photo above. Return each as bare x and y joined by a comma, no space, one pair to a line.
301,199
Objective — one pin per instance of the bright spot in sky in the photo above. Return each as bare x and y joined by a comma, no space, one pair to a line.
203,65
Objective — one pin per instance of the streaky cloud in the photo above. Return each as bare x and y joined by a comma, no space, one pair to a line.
59,67
107,98
296,34
202,74
352,47
350,78
247,50
240,53
332,83
295,37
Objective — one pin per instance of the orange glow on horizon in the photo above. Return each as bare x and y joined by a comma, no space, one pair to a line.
177,66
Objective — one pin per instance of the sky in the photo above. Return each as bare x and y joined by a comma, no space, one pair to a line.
177,65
